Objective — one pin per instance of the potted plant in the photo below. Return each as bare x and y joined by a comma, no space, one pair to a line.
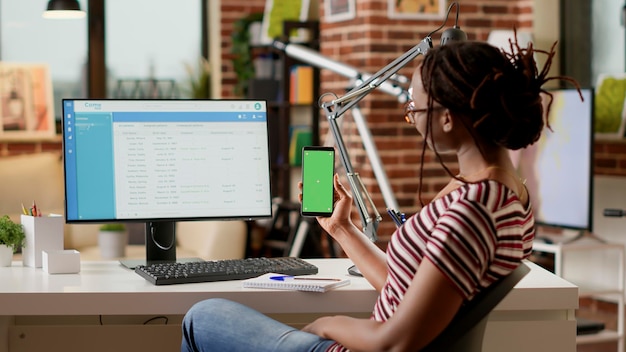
112,240
241,50
12,238
199,79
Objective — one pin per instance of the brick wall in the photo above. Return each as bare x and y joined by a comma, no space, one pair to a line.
369,42
610,157
233,10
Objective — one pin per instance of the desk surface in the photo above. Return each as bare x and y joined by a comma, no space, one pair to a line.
109,288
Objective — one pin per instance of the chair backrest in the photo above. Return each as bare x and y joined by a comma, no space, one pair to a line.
467,329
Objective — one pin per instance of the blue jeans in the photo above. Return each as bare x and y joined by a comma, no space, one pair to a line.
222,325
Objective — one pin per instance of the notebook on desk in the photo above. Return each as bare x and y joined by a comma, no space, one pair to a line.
295,283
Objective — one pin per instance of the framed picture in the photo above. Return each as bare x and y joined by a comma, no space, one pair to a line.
26,102
339,10
278,11
417,9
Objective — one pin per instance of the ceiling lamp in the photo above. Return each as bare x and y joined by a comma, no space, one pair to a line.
62,9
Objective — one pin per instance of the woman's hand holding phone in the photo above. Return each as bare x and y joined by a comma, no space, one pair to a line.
342,208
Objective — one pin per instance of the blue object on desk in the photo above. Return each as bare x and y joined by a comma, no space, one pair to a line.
398,218
313,278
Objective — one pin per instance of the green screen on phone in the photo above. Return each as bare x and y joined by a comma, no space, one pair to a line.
318,168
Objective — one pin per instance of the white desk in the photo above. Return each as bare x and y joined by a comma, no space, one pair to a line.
65,312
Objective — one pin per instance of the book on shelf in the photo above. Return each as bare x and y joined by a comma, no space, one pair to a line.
311,283
300,136
301,84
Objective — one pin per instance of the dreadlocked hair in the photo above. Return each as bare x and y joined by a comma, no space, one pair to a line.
496,92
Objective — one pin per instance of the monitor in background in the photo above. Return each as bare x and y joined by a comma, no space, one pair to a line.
162,161
558,168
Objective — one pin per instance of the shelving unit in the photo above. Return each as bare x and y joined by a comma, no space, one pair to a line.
281,111
285,110
288,227
588,243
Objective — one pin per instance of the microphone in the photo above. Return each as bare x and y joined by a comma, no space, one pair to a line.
455,33
614,213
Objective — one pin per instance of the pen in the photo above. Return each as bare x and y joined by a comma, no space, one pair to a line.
34,209
287,278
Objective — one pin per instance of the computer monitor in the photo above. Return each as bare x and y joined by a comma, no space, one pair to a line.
163,161
558,168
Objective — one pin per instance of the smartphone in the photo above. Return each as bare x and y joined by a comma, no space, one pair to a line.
318,169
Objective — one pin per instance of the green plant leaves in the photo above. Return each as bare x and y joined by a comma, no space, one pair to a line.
11,233
242,57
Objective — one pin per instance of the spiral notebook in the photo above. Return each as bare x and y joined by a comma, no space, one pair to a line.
295,283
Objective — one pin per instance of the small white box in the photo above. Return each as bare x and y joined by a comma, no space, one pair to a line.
43,233
65,261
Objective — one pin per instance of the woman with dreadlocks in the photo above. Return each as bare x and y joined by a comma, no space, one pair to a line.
469,99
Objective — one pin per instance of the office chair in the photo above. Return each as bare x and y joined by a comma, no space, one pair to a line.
467,329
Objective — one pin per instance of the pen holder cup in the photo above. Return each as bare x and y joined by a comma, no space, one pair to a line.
43,233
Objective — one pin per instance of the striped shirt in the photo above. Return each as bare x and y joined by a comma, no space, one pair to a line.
475,235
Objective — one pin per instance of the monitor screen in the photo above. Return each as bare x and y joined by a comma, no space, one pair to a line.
558,168
162,161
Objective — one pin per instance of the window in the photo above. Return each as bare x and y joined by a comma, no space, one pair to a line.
149,44
607,38
26,37
147,41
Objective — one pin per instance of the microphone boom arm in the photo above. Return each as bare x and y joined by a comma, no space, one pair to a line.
375,81
365,84
337,107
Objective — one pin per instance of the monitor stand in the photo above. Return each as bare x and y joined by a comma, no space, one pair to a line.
133,263
160,246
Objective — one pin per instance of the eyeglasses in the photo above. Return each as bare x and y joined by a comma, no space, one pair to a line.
410,112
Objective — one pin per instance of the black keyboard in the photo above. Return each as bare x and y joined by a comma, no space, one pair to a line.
222,270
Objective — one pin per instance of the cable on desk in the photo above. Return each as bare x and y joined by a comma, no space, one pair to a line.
166,319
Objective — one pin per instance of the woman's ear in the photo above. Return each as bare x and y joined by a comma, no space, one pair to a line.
447,122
